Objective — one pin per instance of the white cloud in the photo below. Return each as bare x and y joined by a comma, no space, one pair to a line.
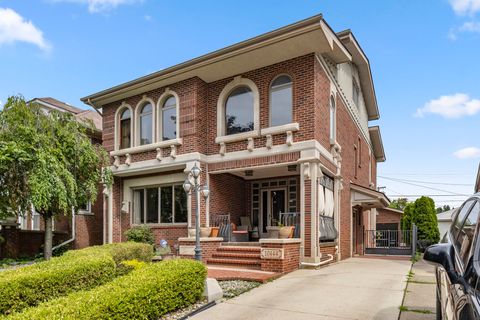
470,26
467,153
95,6
451,106
465,7
147,17
13,28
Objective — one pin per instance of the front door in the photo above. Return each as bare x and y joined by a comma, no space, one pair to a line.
274,202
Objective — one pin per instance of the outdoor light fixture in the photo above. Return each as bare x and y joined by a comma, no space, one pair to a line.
196,188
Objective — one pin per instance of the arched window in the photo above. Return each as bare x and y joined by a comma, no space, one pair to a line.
281,101
146,124
239,111
125,129
332,119
169,118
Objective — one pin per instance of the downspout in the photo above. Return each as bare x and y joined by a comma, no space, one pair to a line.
73,233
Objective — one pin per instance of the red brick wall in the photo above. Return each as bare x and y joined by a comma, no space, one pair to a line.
208,248
328,248
387,216
228,196
290,262
89,228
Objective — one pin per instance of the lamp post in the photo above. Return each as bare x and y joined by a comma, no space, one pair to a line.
196,188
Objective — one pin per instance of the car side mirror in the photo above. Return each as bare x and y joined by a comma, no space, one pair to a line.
443,255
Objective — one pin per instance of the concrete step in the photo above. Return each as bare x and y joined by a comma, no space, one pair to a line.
245,263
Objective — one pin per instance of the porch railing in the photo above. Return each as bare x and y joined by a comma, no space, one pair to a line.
291,219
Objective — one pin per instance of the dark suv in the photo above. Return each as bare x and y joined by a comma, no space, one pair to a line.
457,261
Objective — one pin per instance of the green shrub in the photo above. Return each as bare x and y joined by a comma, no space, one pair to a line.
141,234
146,293
75,270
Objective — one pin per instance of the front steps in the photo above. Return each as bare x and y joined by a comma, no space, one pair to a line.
237,255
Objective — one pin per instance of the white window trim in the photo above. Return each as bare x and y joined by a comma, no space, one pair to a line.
270,99
138,108
88,211
118,113
333,140
222,99
159,117
148,147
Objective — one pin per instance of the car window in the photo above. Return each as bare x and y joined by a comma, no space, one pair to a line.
457,225
466,234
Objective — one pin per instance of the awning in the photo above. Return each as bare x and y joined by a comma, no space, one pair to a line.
368,198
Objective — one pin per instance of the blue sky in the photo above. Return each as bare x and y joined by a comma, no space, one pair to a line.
423,54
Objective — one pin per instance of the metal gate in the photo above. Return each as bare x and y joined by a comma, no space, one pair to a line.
389,242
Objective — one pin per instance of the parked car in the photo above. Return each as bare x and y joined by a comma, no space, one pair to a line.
457,262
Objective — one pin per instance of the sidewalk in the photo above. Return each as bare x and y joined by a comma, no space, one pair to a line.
419,301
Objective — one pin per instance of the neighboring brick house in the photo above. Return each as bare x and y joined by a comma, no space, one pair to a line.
278,123
88,221
389,219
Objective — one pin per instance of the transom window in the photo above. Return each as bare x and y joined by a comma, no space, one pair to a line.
164,204
239,111
169,118
125,129
146,124
281,101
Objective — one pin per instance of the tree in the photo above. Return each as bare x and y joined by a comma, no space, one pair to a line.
443,209
46,161
424,216
407,217
399,203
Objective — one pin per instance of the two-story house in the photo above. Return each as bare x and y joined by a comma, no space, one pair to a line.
278,123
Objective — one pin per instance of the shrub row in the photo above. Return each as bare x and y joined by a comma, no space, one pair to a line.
75,270
146,293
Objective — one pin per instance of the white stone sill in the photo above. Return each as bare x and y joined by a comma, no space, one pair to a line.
206,239
147,147
237,137
280,241
280,129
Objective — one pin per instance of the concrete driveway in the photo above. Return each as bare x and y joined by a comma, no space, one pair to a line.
357,288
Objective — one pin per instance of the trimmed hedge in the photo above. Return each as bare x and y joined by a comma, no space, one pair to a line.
75,270
146,293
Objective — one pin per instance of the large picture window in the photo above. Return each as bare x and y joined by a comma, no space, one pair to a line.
326,209
281,101
169,119
146,124
165,204
239,111
125,129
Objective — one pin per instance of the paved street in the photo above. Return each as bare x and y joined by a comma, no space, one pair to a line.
358,288
419,303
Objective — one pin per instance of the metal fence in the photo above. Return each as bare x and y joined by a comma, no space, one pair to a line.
392,242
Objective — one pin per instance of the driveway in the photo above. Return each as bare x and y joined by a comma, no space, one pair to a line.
357,288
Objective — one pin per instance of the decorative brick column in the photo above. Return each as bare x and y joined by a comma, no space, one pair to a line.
280,255
11,247
186,247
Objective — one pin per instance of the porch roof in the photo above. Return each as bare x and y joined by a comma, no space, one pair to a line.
368,198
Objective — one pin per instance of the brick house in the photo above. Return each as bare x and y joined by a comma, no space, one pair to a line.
389,219
278,124
88,221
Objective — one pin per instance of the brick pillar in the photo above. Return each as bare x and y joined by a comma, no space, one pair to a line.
11,247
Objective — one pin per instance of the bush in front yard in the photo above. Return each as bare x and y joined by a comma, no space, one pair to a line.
75,270
146,293
141,234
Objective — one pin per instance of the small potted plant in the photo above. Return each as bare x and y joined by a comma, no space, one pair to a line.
205,231
191,232
274,229
285,232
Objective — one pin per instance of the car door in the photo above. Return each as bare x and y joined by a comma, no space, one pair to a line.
463,293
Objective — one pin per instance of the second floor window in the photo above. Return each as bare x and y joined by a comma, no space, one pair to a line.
125,129
281,101
332,119
169,118
146,124
239,111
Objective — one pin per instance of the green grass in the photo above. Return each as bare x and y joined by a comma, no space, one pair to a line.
406,309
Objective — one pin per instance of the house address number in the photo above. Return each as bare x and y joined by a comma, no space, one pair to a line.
277,254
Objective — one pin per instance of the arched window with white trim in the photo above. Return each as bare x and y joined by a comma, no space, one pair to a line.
281,111
146,124
239,111
169,118
125,130
333,124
